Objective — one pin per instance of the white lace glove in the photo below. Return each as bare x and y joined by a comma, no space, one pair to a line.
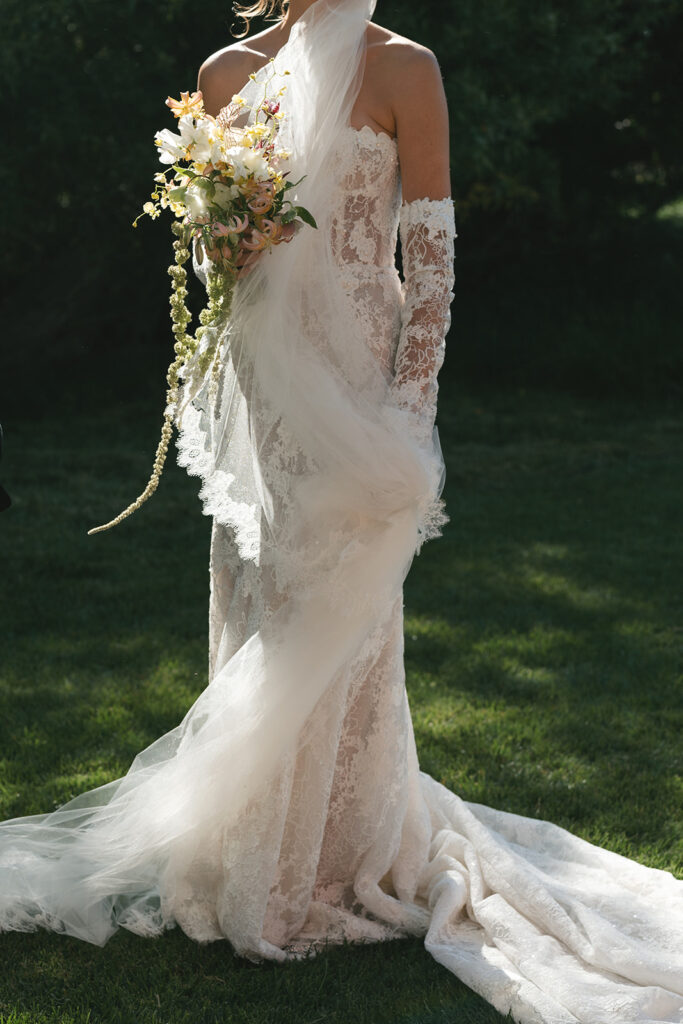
427,233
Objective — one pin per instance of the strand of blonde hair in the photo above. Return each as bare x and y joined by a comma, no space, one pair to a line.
269,10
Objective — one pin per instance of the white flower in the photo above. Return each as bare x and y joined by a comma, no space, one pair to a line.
247,162
171,147
196,201
224,193
217,153
197,141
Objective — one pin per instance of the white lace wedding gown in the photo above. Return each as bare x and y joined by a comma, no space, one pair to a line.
291,811
351,840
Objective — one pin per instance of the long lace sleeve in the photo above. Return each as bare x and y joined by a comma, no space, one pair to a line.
427,233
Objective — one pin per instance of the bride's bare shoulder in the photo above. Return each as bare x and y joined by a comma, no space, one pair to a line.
225,72
396,51
404,68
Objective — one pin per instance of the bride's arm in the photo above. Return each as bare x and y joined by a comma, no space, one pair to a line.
427,232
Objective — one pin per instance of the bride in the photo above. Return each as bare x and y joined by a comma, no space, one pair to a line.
287,809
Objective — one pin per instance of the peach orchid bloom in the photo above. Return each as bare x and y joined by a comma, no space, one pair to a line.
187,104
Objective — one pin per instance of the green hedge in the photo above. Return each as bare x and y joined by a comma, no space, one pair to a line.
564,119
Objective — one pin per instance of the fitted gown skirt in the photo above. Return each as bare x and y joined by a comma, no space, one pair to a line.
351,841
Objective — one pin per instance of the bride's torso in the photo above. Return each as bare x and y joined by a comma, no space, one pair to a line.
366,190
367,198
366,187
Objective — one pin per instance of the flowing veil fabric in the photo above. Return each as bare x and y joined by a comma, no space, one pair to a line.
327,488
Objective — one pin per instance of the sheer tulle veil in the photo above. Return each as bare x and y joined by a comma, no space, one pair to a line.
333,526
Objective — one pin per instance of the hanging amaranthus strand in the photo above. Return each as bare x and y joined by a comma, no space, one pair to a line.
220,287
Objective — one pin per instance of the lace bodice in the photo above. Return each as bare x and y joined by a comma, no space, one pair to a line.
367,198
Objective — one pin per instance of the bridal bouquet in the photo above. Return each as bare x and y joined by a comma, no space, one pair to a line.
227,188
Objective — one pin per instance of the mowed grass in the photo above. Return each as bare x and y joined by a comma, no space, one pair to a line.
543,657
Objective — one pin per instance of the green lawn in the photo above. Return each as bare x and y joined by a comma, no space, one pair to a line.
543,653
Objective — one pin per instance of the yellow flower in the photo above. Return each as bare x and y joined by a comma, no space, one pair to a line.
239,100
253,133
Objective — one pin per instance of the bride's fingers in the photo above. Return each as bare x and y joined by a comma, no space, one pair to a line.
289,230
245,261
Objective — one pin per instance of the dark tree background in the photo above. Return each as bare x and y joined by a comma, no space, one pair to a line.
566,141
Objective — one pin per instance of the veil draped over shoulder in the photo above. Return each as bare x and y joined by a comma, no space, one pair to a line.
324,485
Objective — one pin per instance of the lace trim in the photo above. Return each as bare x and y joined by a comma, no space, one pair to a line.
433,214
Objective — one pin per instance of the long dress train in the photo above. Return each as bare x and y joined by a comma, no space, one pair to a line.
288,809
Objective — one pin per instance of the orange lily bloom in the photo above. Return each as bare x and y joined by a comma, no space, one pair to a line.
237,225
261,203
256,241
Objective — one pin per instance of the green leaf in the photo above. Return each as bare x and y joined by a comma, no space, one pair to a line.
206,184
288,216
177,195
186,170
306,217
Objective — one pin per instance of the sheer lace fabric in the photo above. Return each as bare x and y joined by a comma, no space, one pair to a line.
288,810
427,245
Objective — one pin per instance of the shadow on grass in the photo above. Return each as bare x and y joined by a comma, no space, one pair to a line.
543,629
172,978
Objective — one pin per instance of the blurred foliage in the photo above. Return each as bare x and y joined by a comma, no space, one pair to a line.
564,122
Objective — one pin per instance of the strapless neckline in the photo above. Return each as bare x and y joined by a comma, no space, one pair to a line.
369,130
360,132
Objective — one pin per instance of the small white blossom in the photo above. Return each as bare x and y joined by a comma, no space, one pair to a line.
247,162
224,194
